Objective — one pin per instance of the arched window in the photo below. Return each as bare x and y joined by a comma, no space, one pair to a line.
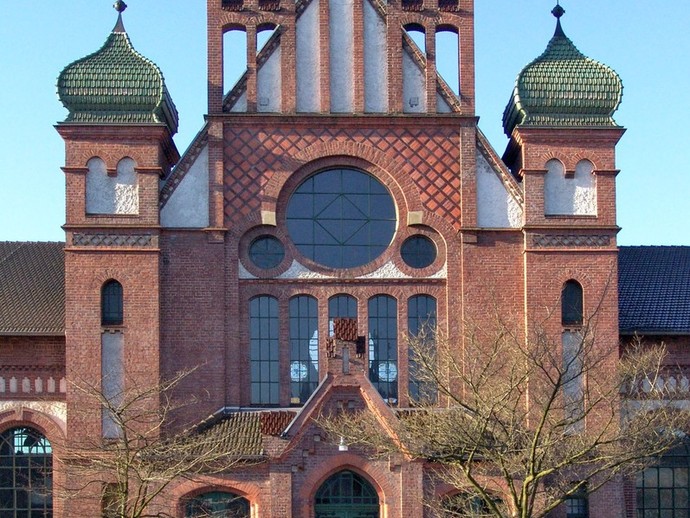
421,325
346,494
664,489
467,505
304,348
111,304
571,304
340,306
263,350
217,504
383,346
26,473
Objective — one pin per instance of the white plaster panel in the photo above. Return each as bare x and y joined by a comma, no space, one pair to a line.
308,59
386,271
117,194
112,377
269,84
299,271
496,208
240,105
341,29
441,105
57,410
375,61
570,195
414,90
243,273
188,204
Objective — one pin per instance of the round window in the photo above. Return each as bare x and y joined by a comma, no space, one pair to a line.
266,252
418,251
341,218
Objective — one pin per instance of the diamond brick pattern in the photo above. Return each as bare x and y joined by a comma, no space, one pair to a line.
430,157
541,240
111,240
345,329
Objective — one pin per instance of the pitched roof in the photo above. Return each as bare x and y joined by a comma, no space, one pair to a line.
244,432
32,288
654,289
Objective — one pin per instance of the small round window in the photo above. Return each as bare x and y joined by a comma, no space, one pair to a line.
418,251
266,252
341,218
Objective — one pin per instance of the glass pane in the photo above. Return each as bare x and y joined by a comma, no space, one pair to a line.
337,209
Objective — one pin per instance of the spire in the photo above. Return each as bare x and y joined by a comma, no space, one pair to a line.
558,11
120,7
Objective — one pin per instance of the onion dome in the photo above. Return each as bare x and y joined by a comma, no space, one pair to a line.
563,87
116,85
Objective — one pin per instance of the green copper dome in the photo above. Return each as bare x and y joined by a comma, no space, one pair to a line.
563,87
116,85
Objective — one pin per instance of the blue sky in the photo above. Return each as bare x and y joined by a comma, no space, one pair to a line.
646,46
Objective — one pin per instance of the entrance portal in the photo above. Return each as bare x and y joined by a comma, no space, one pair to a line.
346,495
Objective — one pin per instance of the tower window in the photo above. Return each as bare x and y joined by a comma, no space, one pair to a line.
111,304
571,304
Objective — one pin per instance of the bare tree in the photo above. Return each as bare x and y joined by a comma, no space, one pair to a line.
138,459
520,425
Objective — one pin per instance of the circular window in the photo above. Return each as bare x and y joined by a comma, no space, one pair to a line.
341,218
266,252
418,251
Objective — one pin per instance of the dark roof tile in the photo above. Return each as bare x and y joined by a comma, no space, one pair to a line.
654,289
32,288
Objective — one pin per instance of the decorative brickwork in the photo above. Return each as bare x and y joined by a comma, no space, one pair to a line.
429,157
548,241
79,239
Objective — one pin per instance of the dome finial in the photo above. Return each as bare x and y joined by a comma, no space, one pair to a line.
558,11
120,7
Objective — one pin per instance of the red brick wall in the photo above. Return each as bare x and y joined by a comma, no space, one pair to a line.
32,358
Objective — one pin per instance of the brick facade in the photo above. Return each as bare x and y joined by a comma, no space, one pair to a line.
187,290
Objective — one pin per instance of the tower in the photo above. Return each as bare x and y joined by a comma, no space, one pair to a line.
118,141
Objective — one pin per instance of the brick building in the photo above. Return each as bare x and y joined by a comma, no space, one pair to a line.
339,193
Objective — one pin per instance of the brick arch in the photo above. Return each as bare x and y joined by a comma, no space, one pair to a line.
234,26
414,19
193,488
376,475
558,160
338,154
36,419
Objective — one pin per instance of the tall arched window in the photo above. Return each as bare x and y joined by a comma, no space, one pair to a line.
111,304
421,325
26,473
346,494
383,346
304,348
571,304
340,306
264,351
217,504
